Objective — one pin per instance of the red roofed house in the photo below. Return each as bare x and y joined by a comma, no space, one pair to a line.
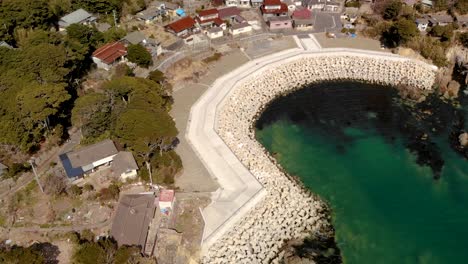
166,201
228,13
181,27
272,8
206,18
302,18
109,54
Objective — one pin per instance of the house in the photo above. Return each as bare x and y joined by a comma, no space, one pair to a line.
237,29
106,56
206,18
181,27
350,14
440,20
5,45
133,218
166,201
291,4
302,18
427,3
215,32
323,5
124,166
238,3
180,12
422,24
86,159
3,168
150,14
79,16
462,21
256,3
137,37
282,22
271,8
228,13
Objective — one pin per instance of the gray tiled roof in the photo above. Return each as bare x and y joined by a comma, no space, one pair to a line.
123,162
132,218
74,17
135,37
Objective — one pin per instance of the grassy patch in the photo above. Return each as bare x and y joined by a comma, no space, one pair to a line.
213,58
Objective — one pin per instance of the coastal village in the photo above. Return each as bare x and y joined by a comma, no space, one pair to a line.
116,135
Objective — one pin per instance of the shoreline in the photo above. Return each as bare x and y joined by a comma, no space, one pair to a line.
287,210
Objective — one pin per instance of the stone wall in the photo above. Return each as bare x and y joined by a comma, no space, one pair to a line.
289,211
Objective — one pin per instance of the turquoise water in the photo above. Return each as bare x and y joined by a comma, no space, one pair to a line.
386,207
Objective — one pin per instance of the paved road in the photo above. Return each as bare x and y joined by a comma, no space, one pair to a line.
195,177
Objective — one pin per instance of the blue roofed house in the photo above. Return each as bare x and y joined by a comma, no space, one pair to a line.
80,162
180,12
79,16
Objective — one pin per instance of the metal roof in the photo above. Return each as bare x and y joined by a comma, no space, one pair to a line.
135,37
123,162
74,17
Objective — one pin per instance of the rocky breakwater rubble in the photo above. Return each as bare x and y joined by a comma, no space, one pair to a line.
289,211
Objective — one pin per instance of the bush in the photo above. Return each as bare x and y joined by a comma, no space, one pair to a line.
463,38
443,32
88,187
353,4
16,169
123,70
139,55
214,57
110,193
74,190
429,48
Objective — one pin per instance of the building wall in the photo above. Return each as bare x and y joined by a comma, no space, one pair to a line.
100,64
128,175
215,35
280,24
103,161
235,32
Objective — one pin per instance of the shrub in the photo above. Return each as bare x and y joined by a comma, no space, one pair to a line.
139,55
74,190
110,193
88,187
463,38
16,169
392,10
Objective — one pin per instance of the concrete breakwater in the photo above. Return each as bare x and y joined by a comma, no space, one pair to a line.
287,211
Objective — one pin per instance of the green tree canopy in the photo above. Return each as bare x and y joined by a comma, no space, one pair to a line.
88,36
139,55
400,32
392,10
20,255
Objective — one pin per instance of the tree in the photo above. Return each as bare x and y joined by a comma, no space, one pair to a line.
445,33
139,55
54,185
400,32
89,253
392,10
462,6
92,112
463,38
88,36
19,255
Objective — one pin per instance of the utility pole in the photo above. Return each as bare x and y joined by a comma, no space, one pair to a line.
115,17
31,161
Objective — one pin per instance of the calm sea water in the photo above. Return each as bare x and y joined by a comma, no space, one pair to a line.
343,141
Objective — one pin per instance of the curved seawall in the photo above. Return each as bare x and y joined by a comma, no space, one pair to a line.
258,207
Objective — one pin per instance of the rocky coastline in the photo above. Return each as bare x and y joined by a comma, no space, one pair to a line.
289,211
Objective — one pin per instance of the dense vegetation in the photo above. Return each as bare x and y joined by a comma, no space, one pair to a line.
133,112
40,85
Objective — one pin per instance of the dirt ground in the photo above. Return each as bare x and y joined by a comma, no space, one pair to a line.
356,43
189,223
185,70
263,47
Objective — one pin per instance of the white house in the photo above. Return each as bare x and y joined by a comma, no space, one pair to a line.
215,32
422,24
124,166
108,55
166,201
238,3
78,163
240,28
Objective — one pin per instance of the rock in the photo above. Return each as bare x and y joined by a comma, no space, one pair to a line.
452,89
463,139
